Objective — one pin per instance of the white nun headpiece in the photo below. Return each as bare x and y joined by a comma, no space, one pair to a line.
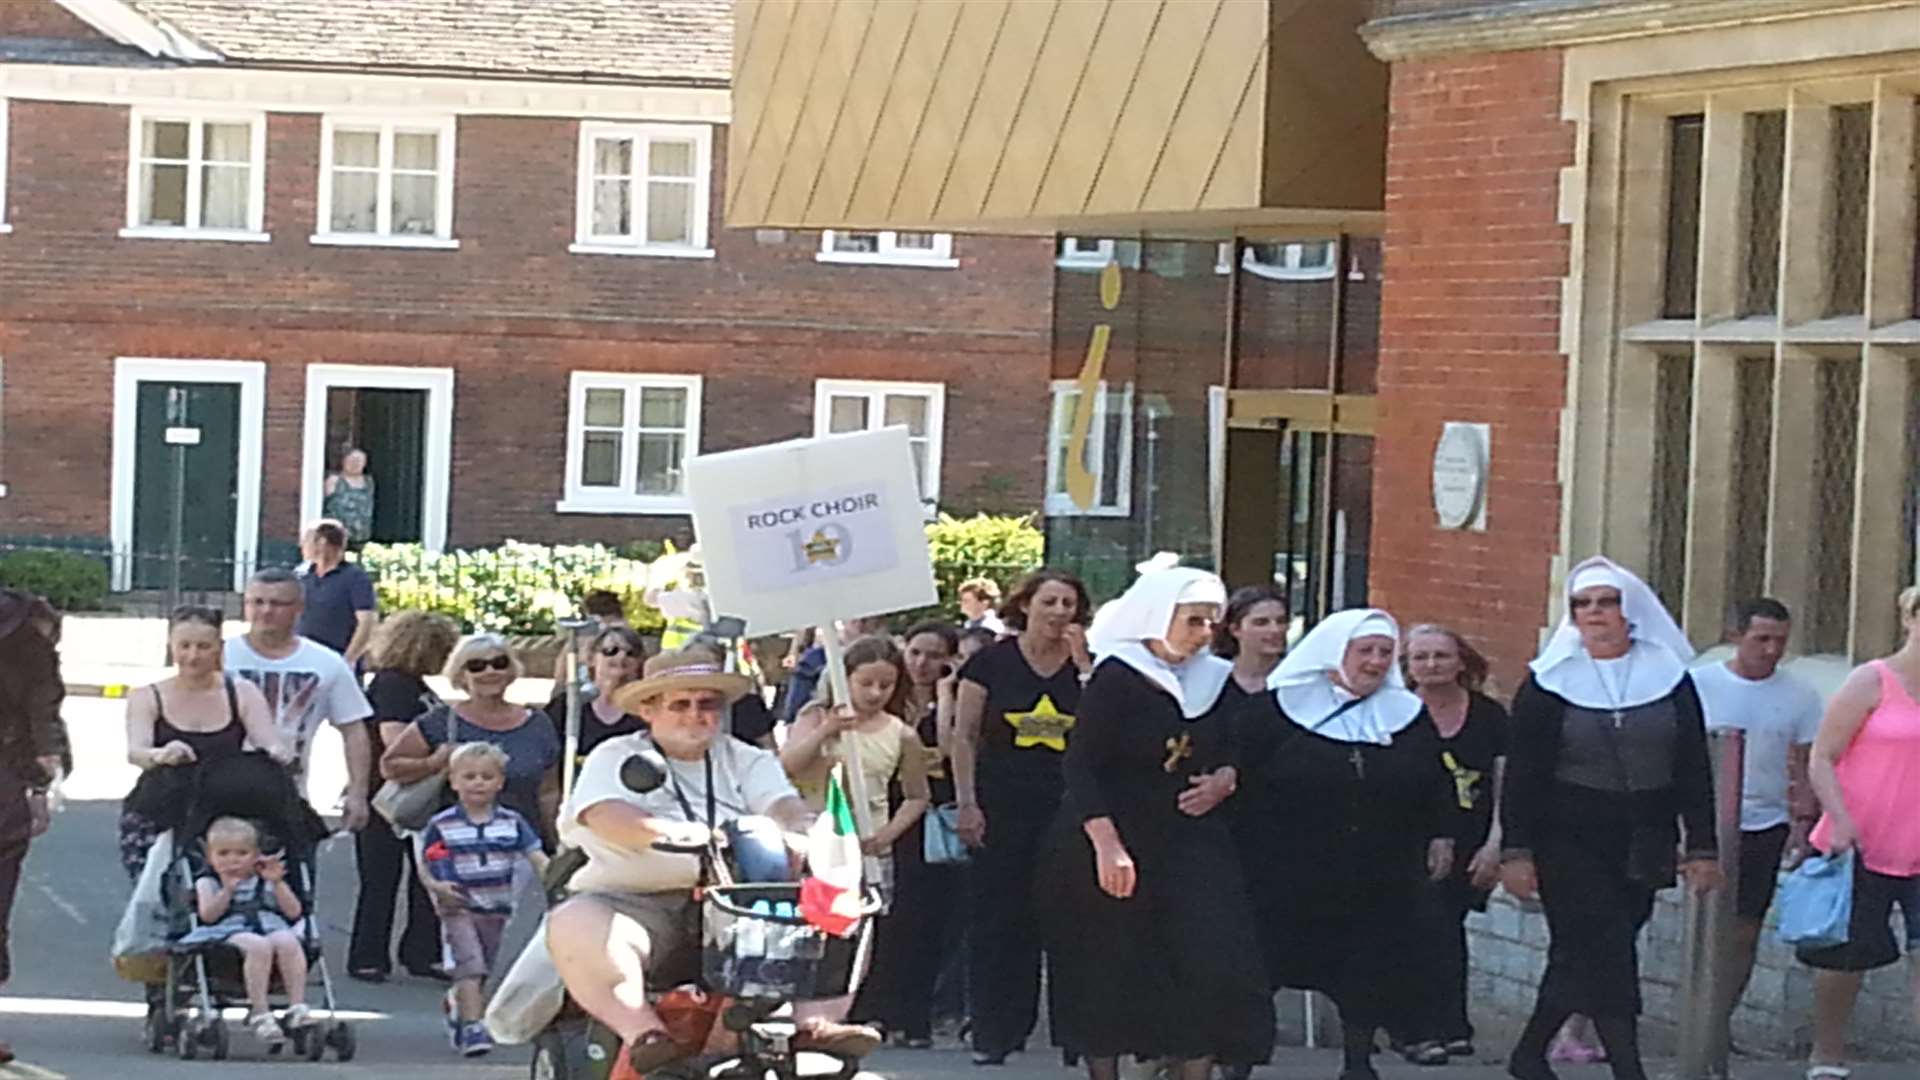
1654,664
1143,613
1308,695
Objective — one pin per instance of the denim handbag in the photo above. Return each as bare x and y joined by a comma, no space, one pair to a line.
940,841
1816,903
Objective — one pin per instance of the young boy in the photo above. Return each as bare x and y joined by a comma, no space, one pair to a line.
467,856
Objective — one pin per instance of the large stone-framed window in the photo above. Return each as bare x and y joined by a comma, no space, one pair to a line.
1747,341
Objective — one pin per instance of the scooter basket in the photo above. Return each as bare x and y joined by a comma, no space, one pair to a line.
755,944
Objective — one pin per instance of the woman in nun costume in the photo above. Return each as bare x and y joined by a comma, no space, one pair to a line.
1344,806
1608,760
1153,946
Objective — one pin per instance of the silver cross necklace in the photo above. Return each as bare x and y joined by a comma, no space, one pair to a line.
1619,710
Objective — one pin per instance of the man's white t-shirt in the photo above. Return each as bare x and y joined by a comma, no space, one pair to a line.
746,780
1778,712
307,686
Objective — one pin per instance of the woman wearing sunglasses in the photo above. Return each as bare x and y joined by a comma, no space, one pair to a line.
613,660
483,667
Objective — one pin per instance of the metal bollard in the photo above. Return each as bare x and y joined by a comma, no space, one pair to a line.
1706,937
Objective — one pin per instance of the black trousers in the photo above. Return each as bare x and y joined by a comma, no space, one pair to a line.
1006,944
911,943
16,832
1440,1014
383,859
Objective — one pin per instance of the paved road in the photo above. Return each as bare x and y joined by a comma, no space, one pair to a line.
68,1015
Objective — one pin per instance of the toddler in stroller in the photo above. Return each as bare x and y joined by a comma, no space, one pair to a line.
240,920
243,901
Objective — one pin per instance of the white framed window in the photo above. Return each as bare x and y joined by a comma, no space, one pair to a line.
843,405
1309,260
628,440
644,190
1087,253
197,175
4,109
922,249
1105,450
386,183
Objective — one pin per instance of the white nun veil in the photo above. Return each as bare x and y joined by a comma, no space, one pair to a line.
1308,695
1654,664
1143,613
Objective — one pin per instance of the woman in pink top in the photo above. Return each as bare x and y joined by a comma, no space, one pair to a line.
1866,770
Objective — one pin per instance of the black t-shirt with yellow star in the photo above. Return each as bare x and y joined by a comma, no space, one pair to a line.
1028,719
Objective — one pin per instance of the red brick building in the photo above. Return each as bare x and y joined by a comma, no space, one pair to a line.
1670,255
485,246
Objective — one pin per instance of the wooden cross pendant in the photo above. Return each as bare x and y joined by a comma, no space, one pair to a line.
1178,750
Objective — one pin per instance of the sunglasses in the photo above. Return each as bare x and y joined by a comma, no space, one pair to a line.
498,663
616,650
1581,603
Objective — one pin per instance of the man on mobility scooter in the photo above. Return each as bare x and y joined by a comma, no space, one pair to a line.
634,917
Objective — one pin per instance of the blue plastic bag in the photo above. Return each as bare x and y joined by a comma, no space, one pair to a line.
1816,903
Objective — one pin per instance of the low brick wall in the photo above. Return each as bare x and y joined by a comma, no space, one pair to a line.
1509,948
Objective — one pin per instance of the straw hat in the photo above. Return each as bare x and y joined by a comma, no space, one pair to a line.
691,668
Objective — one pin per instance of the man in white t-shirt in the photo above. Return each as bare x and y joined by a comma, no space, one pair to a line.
632,919
305,683
1780,715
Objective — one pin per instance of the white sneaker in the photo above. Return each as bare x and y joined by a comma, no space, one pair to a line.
297,1016
266,1029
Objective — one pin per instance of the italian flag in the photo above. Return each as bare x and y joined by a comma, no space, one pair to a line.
830,894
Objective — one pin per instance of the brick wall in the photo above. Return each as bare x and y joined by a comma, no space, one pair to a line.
511,311
41,19
1470,318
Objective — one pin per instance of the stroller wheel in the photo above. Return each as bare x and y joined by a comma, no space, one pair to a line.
344,1044
316,1045
187,1041
218,1032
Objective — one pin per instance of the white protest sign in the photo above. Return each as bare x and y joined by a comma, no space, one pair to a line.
802,533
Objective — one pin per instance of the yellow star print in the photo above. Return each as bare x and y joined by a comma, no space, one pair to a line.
1466,782
1043,725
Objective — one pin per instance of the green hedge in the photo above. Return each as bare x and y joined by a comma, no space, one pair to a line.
69,580
524,588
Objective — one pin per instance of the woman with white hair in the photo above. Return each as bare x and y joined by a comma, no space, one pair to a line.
1344,810
1154,951
1608,759
483,667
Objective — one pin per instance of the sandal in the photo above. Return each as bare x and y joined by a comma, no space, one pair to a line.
651,1050
1828,1072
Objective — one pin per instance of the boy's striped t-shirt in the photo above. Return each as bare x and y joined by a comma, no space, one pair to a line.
478,856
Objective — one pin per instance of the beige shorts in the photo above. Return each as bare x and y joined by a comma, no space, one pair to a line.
669,923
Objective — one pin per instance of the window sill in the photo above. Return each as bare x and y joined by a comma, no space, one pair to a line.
1096,512
5,228
636,249
232,236
849,258
424,243
635,508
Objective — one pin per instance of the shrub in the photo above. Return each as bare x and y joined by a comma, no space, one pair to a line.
1001,547
69,580
515,588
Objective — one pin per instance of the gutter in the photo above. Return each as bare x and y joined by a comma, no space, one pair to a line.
1531,24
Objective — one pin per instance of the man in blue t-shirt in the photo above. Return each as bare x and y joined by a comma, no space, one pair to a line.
340,605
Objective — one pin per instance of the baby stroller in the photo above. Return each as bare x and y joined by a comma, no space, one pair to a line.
185,1009
757,952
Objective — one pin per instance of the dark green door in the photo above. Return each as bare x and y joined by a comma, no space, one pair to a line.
392,428
205,502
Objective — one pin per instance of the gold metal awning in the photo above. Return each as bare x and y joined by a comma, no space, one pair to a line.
1055,115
